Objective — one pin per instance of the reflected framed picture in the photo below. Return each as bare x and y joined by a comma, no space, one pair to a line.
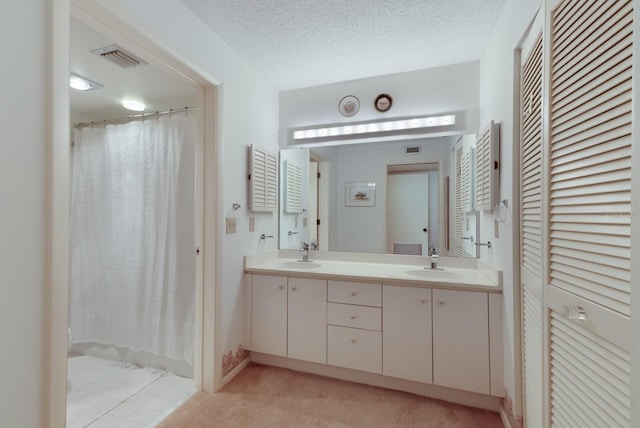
360,194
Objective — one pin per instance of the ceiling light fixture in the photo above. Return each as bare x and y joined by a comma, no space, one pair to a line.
82,84
377,128
134,105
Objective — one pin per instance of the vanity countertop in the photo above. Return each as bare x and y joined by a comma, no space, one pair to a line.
459,274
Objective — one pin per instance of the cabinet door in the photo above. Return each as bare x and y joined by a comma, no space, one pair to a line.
307,320
406,337
354,348
461,340
269,315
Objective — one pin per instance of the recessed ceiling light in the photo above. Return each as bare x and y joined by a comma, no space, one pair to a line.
134,105
82,84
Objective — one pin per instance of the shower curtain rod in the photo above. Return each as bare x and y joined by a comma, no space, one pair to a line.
134,117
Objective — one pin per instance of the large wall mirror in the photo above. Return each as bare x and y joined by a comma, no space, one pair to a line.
405,197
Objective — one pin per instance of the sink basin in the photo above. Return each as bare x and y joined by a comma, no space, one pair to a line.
299,265
435,274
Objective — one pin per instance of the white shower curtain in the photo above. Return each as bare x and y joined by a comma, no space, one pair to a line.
132,265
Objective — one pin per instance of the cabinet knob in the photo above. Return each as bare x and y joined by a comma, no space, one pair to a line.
294,288
353,317
353,293
441,302
280,287
423,301
353,341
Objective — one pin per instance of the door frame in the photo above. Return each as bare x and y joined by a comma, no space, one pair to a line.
441,211
207,196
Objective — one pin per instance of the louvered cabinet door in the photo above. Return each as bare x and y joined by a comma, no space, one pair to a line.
458,249
589,203
531,223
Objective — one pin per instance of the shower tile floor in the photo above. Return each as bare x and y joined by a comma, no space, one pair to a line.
105,393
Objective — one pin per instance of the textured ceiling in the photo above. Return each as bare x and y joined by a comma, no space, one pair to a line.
300,43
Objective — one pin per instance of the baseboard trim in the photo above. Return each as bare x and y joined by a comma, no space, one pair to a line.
465,398
233,373
504,418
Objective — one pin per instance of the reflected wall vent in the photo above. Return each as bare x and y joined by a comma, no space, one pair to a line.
412,150
119,56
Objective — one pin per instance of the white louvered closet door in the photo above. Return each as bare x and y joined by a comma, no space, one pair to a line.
587,301
531,222
458,249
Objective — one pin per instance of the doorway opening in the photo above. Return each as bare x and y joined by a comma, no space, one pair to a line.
413,208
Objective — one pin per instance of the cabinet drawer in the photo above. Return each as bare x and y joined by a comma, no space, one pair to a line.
354,316
355,293
353,348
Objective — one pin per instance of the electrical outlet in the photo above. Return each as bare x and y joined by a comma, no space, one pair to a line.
232,224
252,224
497,229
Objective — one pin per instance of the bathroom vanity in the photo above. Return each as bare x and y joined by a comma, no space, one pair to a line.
380,319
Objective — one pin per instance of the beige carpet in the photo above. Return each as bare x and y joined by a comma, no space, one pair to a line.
262,396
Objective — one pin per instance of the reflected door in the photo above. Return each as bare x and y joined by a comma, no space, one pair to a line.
408,209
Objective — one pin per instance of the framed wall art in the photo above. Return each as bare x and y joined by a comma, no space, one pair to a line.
360,194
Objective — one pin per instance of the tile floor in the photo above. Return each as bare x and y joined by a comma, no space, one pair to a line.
105,393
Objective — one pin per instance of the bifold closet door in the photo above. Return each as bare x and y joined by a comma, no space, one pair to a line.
588,298
531,224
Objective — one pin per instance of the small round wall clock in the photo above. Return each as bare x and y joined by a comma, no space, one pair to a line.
383,102
349,106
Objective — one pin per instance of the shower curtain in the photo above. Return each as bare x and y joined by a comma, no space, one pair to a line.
132,265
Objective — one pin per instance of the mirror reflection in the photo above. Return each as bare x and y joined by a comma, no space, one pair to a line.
405,197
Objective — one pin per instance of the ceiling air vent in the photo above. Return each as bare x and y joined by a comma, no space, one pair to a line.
117,55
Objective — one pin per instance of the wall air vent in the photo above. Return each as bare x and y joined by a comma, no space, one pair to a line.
412,150
119,56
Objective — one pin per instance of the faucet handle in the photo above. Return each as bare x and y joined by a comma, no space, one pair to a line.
305,246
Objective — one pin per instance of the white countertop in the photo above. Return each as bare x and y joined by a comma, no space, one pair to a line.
459,274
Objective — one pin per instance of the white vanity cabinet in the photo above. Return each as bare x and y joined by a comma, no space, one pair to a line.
407,351
269,314
461,340
307,320
289,317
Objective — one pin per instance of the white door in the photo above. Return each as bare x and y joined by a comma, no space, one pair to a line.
531,230
313,202
588,156
408,209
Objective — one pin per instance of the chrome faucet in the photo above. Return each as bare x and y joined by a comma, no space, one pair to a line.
434,260
305,252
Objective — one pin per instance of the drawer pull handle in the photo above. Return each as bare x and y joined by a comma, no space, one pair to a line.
353,293
294,288
353,317
353,341
280,287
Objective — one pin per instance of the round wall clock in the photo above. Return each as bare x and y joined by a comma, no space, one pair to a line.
349,106
383,102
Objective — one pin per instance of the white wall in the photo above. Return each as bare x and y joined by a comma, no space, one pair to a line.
23,151
452,88
497,103
247,114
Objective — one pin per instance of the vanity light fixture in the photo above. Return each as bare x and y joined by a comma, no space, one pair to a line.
82,84
377,128
134,105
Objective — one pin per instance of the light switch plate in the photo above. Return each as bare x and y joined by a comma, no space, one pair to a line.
232,224
252,224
